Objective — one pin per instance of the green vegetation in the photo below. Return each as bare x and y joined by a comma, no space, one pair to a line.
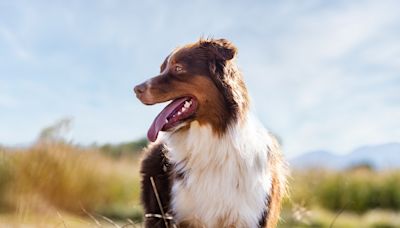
359,197
357,190
55,182
124,149
318,217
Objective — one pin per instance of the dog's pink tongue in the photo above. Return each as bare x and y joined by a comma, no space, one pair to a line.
160,121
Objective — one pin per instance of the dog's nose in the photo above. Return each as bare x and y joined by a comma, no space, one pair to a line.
139,89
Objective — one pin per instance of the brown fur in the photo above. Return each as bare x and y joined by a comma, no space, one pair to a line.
156,165
278,185
210,76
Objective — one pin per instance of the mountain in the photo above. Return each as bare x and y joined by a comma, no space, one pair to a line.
384,156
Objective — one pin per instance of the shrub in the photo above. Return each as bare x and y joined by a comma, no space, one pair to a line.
124,149
61,176
355,190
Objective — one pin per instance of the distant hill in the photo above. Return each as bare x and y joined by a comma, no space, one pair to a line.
384,156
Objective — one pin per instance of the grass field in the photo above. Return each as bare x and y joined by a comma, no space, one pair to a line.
61,185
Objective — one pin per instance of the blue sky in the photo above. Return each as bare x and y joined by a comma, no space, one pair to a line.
322,74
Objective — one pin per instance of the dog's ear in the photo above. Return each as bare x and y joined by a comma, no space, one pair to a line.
222,49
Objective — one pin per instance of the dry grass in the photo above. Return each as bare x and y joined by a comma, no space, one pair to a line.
319,217
61,185
57,177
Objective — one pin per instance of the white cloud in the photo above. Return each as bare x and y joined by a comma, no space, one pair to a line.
318,90
322,75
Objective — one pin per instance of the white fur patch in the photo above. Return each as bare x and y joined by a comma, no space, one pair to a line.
226,178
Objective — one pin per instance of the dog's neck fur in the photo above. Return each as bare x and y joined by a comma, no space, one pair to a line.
226,180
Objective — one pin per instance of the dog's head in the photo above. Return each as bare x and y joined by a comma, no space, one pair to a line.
203,84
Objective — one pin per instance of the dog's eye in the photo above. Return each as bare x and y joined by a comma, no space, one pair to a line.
178,69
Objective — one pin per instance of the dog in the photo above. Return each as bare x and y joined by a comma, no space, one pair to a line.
210,163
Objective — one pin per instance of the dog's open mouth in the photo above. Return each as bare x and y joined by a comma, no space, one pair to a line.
173,114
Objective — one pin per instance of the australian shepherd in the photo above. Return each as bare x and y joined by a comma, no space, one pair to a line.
210,163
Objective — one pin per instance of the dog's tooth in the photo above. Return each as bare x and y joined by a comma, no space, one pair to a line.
183,109
187,104
179,113
166,121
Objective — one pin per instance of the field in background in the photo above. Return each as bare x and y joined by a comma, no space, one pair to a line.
358,197
54,183
57,180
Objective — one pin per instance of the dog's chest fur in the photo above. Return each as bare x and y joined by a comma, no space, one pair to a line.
223,181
